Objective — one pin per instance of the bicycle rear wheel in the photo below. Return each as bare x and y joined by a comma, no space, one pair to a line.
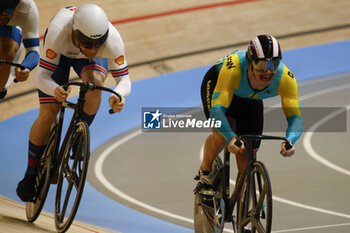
209,214
72,176
33,209
254,206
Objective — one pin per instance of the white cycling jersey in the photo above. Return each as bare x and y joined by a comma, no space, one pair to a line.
58,41
26,16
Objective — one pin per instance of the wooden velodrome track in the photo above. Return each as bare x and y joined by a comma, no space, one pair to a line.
166,36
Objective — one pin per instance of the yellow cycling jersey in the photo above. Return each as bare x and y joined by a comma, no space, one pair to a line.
233,80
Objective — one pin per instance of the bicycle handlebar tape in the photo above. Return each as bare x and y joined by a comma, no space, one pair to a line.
288,146
238,143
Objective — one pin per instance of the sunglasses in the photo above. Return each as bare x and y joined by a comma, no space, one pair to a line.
265,65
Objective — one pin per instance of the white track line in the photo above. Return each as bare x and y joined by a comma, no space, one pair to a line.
310,150
292,203
113,189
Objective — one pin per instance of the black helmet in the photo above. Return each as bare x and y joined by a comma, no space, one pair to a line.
8,4
265,48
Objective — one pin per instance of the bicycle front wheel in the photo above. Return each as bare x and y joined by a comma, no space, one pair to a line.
72,176
255,201
33,209
209,215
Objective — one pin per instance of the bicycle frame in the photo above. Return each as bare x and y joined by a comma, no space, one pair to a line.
77,116
78,110
251,148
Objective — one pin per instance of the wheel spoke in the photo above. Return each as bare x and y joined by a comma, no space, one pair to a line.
246,198
75,180
245,221
65,204
259,227
253,197
261,199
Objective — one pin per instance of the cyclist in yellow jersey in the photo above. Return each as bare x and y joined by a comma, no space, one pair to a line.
232,91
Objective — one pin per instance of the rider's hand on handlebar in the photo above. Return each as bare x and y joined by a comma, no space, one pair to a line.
285,152
60,94
21,75
115,103
233,148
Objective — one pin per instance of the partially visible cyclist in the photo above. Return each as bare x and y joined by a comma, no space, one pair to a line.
82,38
232,91
19,21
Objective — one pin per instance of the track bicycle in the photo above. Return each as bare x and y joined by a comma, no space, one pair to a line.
66,163
253,199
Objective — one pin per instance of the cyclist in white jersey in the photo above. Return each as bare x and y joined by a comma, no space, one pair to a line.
82,38
19,20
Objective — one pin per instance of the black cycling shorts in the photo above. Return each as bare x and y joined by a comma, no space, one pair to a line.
248,113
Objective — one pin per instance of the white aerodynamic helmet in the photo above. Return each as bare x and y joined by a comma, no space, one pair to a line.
90,25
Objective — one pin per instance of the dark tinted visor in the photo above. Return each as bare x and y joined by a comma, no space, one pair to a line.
268,64
87,42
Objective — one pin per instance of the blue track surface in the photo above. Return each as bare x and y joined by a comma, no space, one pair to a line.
180,89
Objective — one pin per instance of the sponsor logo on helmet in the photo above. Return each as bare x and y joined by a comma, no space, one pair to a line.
96,36
120,60
50,54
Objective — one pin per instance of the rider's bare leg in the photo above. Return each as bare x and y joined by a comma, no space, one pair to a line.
8,51
93,98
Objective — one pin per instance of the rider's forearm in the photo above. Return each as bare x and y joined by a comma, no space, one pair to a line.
31,60
217,112
44,82
295,128
123,85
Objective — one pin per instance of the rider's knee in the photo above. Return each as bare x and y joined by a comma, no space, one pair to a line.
93,76
46,119
217,138
214,143
48,113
